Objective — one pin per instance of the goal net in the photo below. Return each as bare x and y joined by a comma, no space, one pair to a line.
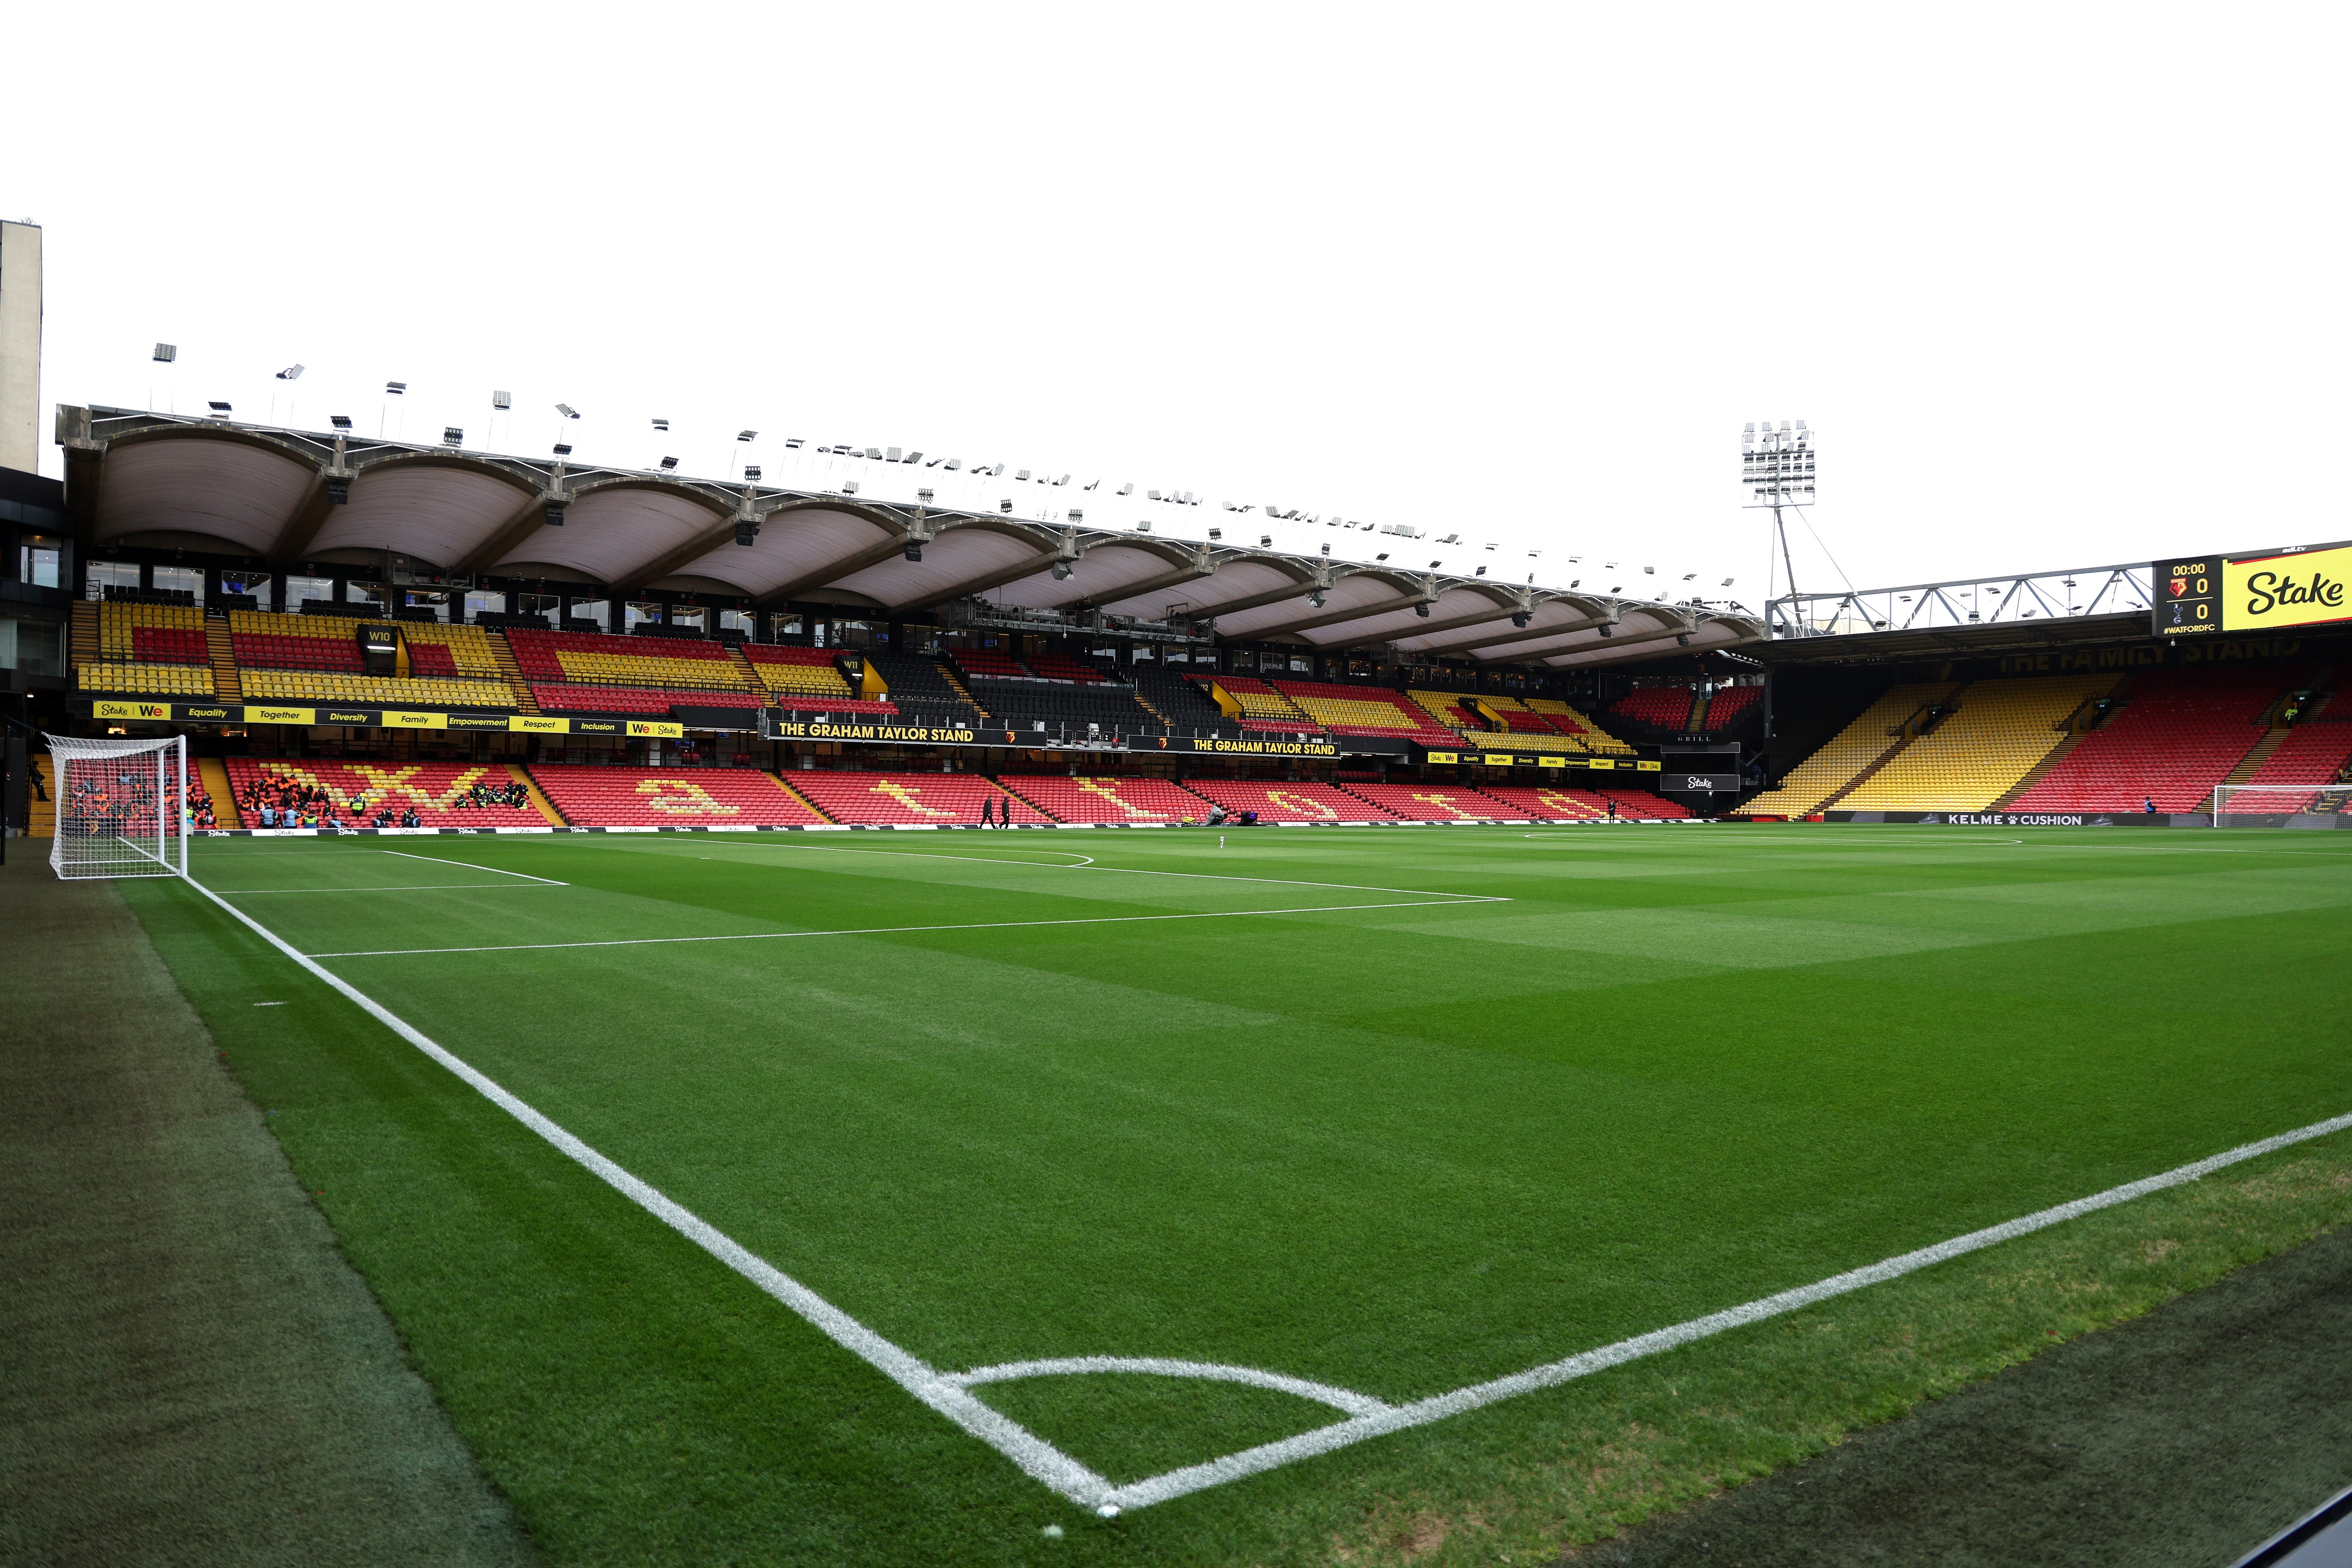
2258,805
121,807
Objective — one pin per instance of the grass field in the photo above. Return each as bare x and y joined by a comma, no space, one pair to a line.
1393,1113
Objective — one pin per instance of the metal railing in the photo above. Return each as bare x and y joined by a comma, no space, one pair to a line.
1964,601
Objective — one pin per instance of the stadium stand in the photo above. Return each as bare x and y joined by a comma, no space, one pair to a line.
1263,707
1547,804
672,797
1431,802
456,650
1728,704
313,687
1850,753
2312,753
1448,709
1519,721
1568,721
915,799
151,634
1998,730
1362,711
145,680
2180,733
639,701
1057,667
989,664
1179,703
356,794
1033,706
1288,802
1068,799
262,639
922,692
1660,707
791,673
590,659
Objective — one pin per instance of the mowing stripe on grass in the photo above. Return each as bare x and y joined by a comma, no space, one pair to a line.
469,866
426,888
1127,870
1454,900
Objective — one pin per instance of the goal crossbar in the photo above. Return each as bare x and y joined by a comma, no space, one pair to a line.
122,808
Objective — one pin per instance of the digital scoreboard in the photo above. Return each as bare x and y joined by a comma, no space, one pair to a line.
2270,589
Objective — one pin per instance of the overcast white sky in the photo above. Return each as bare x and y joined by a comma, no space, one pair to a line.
2057,286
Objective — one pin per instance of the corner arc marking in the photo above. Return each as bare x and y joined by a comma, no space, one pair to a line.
1345,1399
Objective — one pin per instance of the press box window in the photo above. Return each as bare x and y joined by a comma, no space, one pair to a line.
40,560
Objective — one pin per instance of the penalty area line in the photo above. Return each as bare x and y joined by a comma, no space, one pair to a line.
494,870
1450,902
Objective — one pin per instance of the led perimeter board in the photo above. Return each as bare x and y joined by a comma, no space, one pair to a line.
2295,585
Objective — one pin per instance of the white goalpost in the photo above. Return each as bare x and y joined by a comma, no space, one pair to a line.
122,808
2252,805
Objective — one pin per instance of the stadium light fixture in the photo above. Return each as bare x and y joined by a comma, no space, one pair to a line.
291,373
1519,618
1421,609
670,465
746,532
1061,570
923,496
452,435
396,389
166,353
564,448
220,410
555,514
662,425
752,471
502,400
1315,598
1777,467
339,421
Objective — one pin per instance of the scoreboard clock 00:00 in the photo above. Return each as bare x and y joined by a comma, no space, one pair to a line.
2295,585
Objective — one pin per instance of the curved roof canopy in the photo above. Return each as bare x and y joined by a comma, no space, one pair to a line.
137,478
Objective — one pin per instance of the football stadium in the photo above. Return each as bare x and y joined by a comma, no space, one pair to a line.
795,1019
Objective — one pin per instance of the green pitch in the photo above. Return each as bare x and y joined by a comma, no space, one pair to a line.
1370,1116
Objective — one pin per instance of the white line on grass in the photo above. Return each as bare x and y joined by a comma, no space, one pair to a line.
427,888
1137,872
471,866
1453,900
1037,1457
946,1392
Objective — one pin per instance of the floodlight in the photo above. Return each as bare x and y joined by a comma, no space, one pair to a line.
952,463
1061,570
914,550
339,421
1574,582
1143,527
1020,473
914,457
555,514
1519,618
1216,535
746,532
166,353
1422,610
217,407
1434,564
394,388
564,448
502,400
661,425
996,471
1383,555
1451,539
792,443
892,456
1264,540
1602,630
339,493
291,373
1650,571
1077,514
1128,488
1727,581
1682,640
849,487
451,435
1327,550
1151,495
566,410
1315,598
1480,573
924,496
751,470
668,464
1005,504
1688,575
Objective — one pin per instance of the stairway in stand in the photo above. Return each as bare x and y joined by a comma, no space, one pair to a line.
228,685
523,701
41,802
82,643
783,784
546,807
2251,764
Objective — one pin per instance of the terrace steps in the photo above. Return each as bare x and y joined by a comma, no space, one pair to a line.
948,672
2252,762
213,774
228,684
538,800
512,671
2034,774
782,784
82,641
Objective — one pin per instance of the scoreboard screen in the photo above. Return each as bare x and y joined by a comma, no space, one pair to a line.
2295,585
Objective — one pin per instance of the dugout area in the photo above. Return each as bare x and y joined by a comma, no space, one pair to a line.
991,1137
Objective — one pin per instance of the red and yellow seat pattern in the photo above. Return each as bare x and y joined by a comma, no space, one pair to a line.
145,680
1430,802
313,687
1288,802
1362,711
151,633
671,797
1569,722
798,672
1263,708
592,658
1448,709
436,649
1107,800
908,799
263,640
642,701
1546,803
356,791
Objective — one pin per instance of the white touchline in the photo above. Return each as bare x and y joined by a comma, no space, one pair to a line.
471,866
949,1392
1453,900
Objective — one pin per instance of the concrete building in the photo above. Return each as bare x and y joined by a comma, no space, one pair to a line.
20,345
